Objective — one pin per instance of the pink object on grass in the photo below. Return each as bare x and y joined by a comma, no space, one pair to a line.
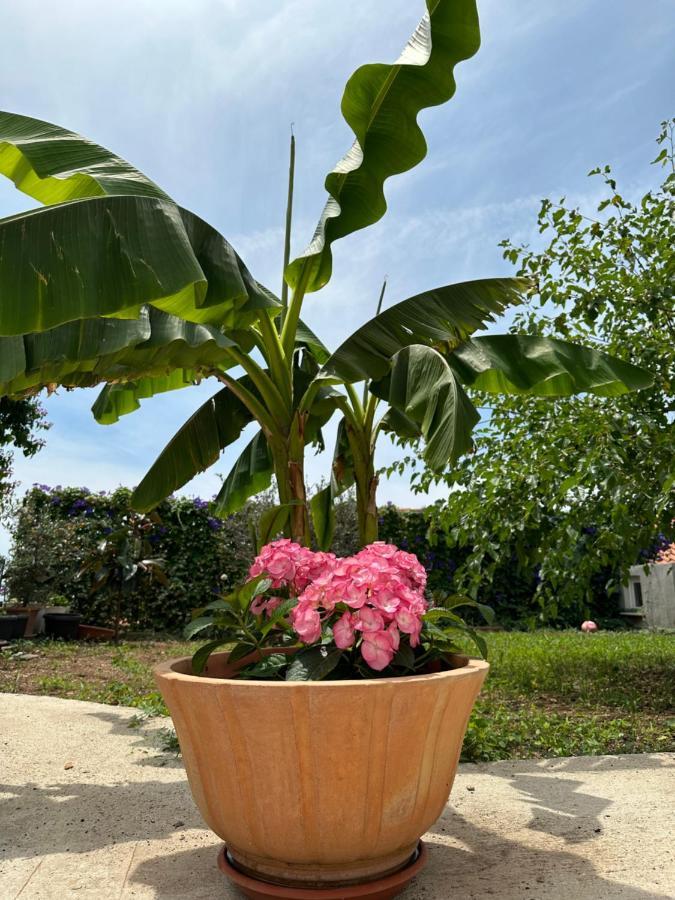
589,626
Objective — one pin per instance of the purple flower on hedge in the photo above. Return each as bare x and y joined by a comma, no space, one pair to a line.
214,524
78,506
198,503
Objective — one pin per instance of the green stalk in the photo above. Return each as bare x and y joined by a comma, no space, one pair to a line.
274,356
361,443
356,403
293,316
269,393
252,404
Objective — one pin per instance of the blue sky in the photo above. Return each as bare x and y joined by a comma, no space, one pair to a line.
201,95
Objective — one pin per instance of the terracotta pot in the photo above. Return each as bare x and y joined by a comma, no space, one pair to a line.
318,784
380,889
94,633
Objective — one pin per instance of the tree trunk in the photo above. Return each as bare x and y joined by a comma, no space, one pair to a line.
289,469
366,506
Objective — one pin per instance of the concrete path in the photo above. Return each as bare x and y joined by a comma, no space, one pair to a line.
90,808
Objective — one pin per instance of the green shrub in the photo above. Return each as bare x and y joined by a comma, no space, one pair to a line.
56,529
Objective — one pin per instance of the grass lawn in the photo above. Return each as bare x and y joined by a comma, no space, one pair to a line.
548,693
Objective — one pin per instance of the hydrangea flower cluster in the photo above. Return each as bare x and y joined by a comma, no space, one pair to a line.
369,599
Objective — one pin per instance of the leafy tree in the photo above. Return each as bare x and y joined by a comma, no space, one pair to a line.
573,489
20,424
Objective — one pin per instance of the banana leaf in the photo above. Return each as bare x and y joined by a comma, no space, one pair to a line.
54,165
342,478
381,104
423,387
251,474
196,446
441,318
544,367
109,256
91,351
117,400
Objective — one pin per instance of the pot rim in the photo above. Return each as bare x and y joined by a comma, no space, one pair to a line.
167,670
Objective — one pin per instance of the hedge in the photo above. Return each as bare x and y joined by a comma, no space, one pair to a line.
56,529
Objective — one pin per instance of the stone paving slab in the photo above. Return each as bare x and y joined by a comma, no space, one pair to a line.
91,808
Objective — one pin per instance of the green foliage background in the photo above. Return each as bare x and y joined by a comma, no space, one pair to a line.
56,529
579,489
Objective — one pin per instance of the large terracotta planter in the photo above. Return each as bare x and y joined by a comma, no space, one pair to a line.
318,784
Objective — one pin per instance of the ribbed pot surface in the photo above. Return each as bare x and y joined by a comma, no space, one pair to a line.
320,783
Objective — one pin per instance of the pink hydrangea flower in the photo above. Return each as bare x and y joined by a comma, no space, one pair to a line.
376,649
289,565
343,632
307,622
381,586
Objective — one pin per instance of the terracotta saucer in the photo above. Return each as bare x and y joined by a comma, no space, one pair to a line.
382,889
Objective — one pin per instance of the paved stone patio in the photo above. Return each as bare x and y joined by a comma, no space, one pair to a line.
91,808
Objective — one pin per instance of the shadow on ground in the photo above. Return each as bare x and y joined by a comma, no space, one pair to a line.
485,865
150,737
466,860
558,806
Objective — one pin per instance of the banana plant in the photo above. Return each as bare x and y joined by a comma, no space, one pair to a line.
112,282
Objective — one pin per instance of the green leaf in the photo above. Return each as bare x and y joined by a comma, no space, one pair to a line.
479,641
313,664
251,474
194,447
267,667
120,399
341,478
109,256
544,367
305,338
197,625
251,589
454,601
239,651
405,656
201,656
440,318
90,351
117,400
54,165
273,521
277,616
396,422
422,386
381,104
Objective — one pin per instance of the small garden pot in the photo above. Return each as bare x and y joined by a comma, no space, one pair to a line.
320,784
32,613
62,625
46,610
94,633
13,627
